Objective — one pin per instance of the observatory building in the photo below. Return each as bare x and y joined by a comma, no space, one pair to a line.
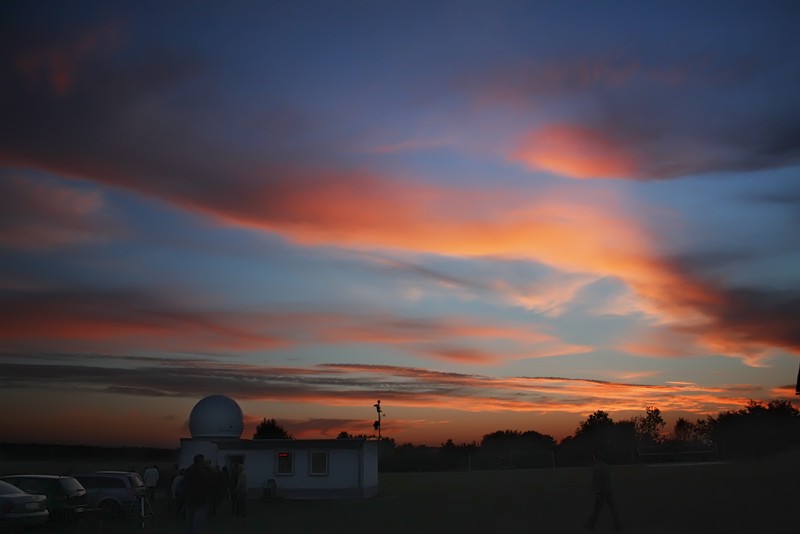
298,468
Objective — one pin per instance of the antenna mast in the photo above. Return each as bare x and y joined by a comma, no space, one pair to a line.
377,424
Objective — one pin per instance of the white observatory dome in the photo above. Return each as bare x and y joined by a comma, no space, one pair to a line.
216,416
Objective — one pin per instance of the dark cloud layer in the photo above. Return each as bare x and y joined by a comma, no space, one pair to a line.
140,316
738,320
348,384
743,317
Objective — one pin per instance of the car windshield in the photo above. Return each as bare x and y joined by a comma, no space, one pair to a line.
8,489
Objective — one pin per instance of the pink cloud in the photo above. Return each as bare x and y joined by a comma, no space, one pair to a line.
576,152
447,338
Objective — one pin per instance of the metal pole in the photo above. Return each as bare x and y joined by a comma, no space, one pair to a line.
380,415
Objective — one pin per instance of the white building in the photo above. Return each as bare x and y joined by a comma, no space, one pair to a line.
300,468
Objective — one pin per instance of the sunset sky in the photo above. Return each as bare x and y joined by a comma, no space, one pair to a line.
488,215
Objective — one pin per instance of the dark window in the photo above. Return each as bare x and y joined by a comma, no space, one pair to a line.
319,463
70,485
285,463
101,482
9,489
91,482
53,487
40,486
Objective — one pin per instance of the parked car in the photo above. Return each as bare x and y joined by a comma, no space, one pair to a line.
21,510
66,497
113,492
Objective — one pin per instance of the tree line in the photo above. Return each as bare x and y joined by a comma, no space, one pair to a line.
756,429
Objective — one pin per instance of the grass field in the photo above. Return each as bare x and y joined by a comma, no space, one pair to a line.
760,496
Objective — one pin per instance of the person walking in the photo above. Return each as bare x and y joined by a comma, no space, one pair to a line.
198,485
601,484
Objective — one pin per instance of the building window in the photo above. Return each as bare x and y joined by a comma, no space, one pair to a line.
285,463
319,463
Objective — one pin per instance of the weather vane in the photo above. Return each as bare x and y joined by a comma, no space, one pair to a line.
377,424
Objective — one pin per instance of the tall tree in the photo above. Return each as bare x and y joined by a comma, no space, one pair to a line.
648,427
685,430
270,429
596,422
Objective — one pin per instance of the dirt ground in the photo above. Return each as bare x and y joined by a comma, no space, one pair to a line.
726,498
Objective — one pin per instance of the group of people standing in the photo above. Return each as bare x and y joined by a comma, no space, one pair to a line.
200,489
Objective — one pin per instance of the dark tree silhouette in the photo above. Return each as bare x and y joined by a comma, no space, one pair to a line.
757,428
270,429
649,426
504,440
685,431
599,433
456,456
703,427
595,423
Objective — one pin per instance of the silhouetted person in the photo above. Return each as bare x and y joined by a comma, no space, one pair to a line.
220,491
169,480
226,483
232,488
151,476
178,491
270,489
198,483
601,484
241,492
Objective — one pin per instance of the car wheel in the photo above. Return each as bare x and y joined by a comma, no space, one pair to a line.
110,508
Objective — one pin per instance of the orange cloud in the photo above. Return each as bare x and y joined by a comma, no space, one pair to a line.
583,233
567,228
550,295
576,152
784,392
